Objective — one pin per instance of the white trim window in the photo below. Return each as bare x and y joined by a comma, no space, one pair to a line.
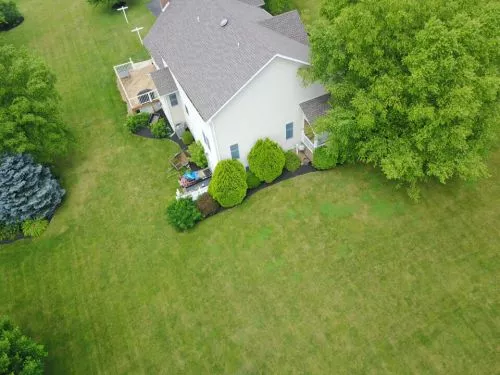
289,130
173,99
235,151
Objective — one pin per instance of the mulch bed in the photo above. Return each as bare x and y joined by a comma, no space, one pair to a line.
20,236
304,169
7,27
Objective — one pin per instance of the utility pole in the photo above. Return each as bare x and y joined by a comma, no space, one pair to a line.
123,9
138,31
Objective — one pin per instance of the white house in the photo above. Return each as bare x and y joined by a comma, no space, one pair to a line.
228,70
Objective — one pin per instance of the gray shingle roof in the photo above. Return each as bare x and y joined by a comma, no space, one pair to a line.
288,24
164,81
211,62
255,3
316,107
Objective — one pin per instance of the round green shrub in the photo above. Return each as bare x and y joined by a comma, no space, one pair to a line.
228,185
9,232
323,158
187,138
197,153
292,161
34,228
10,16
183,214
160,129
266,160
137,122
19,354
252,180
207,205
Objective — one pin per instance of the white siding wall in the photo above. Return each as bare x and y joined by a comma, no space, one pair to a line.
198,126
174,114
263,108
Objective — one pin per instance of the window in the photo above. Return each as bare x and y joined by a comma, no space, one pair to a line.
173,99
206,140
289,130
235,151
186,108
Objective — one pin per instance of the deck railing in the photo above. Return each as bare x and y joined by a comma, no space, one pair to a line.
307,142
140,100
122,71
193,194
319,141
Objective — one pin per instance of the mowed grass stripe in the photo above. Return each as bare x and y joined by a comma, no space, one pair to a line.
329,272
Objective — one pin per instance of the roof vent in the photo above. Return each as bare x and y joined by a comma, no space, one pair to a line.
223,22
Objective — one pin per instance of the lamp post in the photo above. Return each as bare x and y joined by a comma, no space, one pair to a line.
123,9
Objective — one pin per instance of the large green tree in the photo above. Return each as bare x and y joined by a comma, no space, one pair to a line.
414,84
19,354
29,107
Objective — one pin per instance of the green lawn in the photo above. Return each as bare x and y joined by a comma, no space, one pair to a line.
333,272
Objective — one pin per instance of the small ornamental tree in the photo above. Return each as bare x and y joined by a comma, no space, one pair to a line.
197,153
29,191
183,214
228,185
19,354
266,160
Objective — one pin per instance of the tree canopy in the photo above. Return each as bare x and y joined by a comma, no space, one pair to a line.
29,107
18,353
278,6
414,84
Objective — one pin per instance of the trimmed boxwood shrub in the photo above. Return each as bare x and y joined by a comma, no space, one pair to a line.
197,153
207,205
292,161
183,214
187,138
229,184
10,16
19,354
252,180
136,122
160,129
324,158
266,160
9,232
34,228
